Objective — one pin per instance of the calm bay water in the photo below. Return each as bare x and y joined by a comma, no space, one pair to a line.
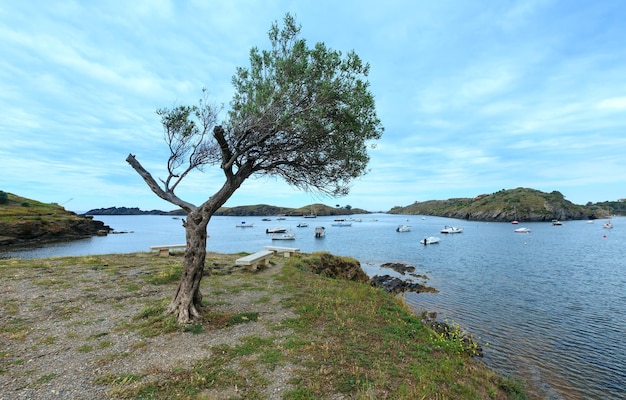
549,306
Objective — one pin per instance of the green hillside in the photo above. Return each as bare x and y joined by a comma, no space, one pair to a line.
25,220
521,204
267,210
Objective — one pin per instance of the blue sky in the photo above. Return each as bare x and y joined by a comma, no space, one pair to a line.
475,96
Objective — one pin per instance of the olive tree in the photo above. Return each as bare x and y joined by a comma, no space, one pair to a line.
303,114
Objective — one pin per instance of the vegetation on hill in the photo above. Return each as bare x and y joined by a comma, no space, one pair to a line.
130,211
260,210
521,204
264,210
25,220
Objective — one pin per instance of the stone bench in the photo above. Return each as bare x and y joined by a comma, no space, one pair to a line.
253,260
164,250
285,251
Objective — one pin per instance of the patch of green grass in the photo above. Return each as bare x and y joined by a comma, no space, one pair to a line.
15,329
47,340
153,320
105,343
118,379
220,320
11,306
195,329
45,378
86,348
166,276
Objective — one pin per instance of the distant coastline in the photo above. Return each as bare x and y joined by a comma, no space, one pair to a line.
521,204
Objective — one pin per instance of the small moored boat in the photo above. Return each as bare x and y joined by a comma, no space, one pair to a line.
451,229
243,224
522,230
284,236
319,232
276,230
341,222
403,228
430,240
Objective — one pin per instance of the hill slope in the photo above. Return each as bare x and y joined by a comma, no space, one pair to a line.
521,204
25,220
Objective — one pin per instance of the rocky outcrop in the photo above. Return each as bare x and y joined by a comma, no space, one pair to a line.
43,229
395,285
339,268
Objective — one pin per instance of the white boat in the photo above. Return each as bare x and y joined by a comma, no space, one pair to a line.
451,229
284,236
302,225
319,232
243,224
341,222
403,228
556,222
608,224
522,230
430,240
276,230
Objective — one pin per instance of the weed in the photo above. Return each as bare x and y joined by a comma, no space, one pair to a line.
86,348
45,378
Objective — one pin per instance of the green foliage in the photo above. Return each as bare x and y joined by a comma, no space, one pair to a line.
307,110
4,197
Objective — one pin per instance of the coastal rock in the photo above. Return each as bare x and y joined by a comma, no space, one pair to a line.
339,268
41,230
394,285
399,267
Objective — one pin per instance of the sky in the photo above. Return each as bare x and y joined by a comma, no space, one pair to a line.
474,96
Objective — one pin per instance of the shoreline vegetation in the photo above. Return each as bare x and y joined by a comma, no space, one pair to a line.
95,327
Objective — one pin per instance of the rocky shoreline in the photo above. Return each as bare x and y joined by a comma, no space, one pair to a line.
46,229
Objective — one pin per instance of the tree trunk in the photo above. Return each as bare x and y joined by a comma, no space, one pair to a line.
187,300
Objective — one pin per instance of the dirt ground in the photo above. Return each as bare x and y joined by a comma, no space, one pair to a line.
65,328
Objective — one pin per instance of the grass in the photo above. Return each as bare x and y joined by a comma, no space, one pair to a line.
342,339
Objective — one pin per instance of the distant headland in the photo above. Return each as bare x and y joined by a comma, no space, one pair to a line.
520,204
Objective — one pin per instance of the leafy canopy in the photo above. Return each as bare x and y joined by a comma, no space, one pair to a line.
304,114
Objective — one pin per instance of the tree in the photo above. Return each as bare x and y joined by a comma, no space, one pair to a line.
303,114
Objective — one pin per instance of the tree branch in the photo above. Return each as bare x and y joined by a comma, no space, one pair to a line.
165,195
